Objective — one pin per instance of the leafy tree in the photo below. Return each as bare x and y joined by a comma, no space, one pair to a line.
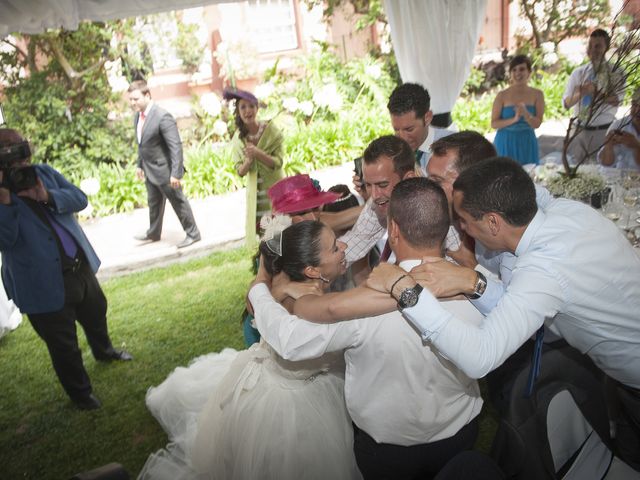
58,95
554,20
371,10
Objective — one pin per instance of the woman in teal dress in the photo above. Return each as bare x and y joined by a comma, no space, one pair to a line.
517,112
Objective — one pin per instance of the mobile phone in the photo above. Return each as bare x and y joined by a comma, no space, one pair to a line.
357,167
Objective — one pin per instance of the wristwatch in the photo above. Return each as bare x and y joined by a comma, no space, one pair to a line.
479,288
409,297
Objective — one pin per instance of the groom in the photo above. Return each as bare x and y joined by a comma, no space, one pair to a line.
160,164
412,409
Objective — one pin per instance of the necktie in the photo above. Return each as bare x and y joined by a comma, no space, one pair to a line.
386,252
68,243
536,360
418,157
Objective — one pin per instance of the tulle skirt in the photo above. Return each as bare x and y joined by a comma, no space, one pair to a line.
251,415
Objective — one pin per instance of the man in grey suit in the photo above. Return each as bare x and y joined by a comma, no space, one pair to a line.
160,164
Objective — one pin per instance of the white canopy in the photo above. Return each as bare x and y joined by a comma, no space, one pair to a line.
434,42
35,16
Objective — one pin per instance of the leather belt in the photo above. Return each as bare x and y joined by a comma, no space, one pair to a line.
595,127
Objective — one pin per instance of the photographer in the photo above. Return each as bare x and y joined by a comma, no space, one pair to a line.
48,265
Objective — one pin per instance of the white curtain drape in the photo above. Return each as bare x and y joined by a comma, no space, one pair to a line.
34,16
434,42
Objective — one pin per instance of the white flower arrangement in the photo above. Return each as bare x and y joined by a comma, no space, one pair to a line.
580,187
291,104
220,127
90,186
210,103
374,71
264,90
306,107
328,97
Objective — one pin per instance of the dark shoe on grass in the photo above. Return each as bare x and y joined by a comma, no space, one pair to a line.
121,355
90,402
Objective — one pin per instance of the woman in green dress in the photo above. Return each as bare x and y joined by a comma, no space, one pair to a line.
257,152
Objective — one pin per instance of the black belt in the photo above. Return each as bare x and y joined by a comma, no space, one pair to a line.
72,265
595,127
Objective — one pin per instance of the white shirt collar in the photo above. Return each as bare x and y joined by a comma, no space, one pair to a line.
148,109
426,145
530,232
408,264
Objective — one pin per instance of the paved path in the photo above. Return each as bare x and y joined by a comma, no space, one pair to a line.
220,219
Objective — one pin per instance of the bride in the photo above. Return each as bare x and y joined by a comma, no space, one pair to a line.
251,414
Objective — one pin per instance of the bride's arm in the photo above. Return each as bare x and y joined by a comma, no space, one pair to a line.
335,307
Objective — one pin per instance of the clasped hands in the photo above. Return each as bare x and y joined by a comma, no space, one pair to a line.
441,277
618,137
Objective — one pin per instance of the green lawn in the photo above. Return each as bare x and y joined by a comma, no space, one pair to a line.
164,317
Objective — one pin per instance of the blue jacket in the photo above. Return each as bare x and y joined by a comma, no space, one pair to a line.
31,263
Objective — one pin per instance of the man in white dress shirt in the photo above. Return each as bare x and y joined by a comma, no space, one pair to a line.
413,409
584,84
622,149
411,116
575,272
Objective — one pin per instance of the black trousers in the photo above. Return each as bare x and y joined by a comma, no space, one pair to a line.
86,303
396,462
624,406
157,196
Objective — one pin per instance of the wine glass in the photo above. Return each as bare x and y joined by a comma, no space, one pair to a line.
613,208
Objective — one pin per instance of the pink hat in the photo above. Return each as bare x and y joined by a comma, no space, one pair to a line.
297,194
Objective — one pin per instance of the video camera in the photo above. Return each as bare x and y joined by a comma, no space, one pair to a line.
17,178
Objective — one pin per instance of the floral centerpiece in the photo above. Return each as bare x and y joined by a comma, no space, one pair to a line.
581,187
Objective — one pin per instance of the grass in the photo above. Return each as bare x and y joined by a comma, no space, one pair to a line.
164,317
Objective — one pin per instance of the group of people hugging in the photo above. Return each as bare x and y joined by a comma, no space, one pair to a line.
368,323
374,323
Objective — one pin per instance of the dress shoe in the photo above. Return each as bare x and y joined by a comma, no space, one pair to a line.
121,355
89,402
143,237
188,241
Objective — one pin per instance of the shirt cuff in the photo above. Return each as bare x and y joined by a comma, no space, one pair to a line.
490,297
427,316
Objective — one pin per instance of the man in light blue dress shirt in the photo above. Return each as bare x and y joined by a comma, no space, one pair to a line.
575,273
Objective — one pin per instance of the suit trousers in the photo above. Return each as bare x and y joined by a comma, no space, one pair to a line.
157,196
86,303
397,462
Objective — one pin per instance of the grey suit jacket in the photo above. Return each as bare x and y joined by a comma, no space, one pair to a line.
160,147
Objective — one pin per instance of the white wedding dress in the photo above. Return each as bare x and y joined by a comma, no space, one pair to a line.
10,316
252,415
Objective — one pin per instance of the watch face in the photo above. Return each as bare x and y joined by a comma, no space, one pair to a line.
408,298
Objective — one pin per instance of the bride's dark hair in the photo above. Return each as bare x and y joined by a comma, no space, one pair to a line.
300,249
